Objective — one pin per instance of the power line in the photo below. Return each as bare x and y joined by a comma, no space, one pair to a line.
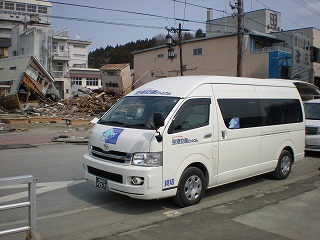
281,16
94,21
305,5
275,12
124,11
138,13
195,5
89,20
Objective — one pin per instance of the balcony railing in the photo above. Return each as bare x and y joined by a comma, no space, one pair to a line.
61,56
271,49
60,74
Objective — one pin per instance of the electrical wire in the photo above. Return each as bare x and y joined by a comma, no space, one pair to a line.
125,11
307,6
281,16
195,5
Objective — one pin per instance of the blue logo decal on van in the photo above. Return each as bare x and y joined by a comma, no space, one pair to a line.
152,91
234,123
111,135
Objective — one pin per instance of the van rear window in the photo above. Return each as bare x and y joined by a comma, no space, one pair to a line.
246,113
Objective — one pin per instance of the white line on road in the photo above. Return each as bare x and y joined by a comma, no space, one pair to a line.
41,188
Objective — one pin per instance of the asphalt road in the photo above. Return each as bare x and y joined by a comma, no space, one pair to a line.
70,208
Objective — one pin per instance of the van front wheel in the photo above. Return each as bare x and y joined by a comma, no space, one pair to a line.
284,165
191,187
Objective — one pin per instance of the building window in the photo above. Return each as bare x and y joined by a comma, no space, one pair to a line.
113,73
20,7
80,55
55,45
111,84
61,49
76,81
92,81
1,5
42,9
197,51
9,5
32,8
79,46
160,55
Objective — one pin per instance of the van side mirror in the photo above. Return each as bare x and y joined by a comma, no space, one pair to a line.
158,119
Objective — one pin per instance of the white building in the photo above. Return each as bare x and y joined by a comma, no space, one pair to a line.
68,53
85,77
263,21
54,50
15,12
35,40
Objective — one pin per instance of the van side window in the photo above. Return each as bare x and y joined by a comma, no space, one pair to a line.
193,114
240,113
246,113
280,111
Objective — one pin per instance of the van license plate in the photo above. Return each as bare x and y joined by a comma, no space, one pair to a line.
102,183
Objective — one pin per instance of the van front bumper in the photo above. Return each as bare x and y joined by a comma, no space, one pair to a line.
313,143
119,178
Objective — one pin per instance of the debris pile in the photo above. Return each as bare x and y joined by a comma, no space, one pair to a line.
84,103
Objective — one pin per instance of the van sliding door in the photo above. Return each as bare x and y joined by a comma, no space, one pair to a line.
239,140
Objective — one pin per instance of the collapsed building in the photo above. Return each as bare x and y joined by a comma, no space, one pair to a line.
22,79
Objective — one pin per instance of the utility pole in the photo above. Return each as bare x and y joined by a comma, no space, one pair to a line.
180,45
240,38
170,43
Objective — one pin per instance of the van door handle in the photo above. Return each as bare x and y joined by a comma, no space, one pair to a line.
208,135
224,134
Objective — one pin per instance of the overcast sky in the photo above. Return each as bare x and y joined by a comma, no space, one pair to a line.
112,22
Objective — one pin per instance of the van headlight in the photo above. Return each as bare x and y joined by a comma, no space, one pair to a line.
89,149
147,159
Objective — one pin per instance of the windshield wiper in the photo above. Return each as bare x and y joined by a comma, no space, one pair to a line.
111,122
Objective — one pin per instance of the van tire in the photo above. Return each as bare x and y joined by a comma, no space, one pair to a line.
284,165
191,187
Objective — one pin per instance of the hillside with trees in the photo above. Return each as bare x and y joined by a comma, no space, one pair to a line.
123,53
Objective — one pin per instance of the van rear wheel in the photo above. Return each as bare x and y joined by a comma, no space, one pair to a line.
191,187
284,165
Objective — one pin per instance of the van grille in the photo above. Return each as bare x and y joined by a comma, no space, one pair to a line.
113,156
106,175
312,130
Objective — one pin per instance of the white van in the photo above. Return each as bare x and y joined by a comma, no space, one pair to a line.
177,137
312,110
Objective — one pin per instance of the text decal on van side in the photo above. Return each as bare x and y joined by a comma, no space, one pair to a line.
183,140
152,91
111,135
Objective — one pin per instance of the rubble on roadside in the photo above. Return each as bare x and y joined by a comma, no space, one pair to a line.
84,104
71,139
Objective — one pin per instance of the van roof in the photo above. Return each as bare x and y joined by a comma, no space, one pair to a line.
183,86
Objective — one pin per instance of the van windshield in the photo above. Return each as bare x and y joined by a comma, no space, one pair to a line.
137,111
312,111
